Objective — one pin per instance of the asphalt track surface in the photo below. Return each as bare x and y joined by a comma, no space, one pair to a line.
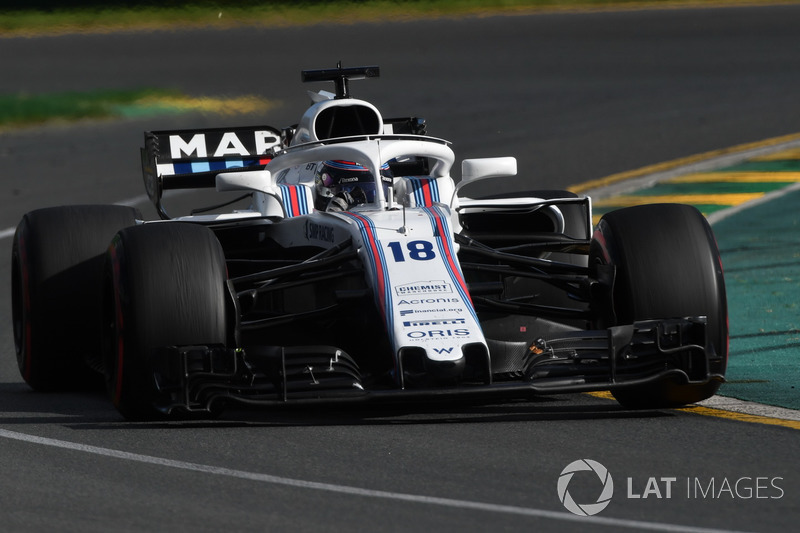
574,97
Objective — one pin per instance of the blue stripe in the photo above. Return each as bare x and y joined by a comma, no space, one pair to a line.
419,196
434,214
418,185
434,184
373,266
191,167
182,168
302,199
302,195
287,201
200,166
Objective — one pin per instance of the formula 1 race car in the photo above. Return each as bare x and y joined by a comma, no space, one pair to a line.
357,269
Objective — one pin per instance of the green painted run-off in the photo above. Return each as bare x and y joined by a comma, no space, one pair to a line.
761,255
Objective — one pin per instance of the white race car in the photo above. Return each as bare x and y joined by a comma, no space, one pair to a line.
359,270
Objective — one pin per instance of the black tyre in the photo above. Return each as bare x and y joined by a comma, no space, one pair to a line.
668,266
56,281
165,286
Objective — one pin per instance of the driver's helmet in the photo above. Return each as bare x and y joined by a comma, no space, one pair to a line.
346,179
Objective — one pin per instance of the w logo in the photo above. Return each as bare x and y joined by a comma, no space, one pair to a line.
440,351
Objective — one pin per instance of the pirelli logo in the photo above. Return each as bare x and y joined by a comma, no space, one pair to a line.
439,322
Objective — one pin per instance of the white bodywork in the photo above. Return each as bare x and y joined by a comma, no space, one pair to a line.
404,237
408,252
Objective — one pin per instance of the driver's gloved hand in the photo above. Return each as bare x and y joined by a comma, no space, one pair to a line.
338,203
344,200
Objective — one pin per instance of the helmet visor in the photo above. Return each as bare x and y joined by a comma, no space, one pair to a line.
347,176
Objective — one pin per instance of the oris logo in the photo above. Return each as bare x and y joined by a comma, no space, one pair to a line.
438,333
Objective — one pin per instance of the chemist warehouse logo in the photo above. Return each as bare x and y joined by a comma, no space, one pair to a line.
585,487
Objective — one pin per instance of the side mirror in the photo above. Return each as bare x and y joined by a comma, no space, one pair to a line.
473,170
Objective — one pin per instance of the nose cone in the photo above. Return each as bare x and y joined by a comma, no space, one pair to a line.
446,371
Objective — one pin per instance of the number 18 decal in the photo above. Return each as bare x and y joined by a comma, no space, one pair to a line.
417,251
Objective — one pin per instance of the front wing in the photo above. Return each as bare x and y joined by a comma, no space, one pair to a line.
195,378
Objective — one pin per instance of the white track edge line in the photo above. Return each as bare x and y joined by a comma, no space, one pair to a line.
722,214
354,491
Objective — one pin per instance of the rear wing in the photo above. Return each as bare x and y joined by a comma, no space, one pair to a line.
191,159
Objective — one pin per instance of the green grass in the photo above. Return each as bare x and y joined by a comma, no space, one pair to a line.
221,14
25,110
194,15
19,110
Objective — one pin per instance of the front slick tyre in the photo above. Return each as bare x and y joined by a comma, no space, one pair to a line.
165,286
667,266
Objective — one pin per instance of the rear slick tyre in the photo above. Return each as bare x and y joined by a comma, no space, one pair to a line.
56,292
667,266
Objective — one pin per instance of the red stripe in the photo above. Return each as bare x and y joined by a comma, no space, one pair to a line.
379,274
294,199
426,192
449,253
